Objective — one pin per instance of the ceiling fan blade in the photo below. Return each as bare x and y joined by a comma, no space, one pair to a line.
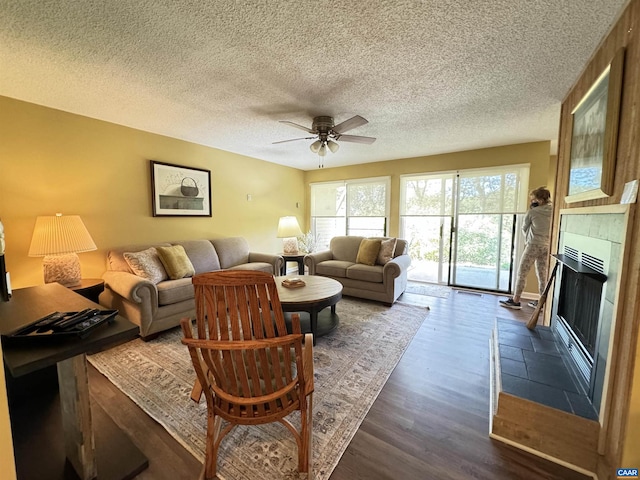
306,129
293,140
356,139
353,122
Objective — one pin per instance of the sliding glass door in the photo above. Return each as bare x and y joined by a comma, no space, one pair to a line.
426,211
461,226
483,239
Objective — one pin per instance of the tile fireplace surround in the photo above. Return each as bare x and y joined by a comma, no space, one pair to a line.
571,415
600,236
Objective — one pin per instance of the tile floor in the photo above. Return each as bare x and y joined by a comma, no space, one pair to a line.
533,367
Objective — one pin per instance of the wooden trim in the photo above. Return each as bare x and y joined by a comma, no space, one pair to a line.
543,455
616,327
551,432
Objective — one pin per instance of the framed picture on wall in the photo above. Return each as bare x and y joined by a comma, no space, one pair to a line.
178,191
594,137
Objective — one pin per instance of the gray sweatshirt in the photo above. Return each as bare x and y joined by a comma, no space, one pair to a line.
537,225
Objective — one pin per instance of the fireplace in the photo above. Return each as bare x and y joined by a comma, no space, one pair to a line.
579,308
579,299
581,316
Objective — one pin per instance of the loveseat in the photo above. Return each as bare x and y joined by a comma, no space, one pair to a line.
381,277
155,302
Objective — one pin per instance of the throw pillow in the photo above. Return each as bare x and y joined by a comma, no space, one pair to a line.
176,262
368,251
146,264
387,247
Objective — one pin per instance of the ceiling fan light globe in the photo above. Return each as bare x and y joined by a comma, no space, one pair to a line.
333,146
322,151
315,146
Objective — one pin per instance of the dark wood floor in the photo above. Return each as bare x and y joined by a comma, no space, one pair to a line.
431,420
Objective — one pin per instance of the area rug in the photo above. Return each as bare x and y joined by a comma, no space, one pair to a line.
429,289
351,364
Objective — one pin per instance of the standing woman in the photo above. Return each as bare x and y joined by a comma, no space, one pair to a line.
536,228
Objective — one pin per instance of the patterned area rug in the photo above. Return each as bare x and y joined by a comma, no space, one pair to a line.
351,364
429,289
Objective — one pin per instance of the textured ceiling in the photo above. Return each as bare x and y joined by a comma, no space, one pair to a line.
430,76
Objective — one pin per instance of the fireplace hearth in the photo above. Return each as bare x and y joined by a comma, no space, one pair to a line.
544,397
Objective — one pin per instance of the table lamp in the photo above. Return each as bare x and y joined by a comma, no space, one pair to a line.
288,230
58,239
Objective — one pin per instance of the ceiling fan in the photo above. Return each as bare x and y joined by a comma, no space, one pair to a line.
327,134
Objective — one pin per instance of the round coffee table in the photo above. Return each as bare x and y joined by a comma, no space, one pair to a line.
318,294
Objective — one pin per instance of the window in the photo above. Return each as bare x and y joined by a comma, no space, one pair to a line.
350,207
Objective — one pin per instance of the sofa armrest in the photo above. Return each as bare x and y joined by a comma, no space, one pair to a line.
275,260
396,267
131,287
312,259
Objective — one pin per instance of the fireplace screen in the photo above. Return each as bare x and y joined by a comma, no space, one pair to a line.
579,306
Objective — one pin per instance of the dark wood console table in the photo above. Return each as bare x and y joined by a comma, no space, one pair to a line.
47,427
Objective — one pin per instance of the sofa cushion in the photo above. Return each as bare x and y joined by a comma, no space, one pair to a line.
176,262
231,251
174,291
368,251
367,273
345,248
402,247
387,247
333,268
202,254
259,266
146,264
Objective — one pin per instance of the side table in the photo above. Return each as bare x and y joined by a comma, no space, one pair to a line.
48,425
90,288
292,257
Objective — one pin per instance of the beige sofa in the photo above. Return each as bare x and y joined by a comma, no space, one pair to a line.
156,307
384,283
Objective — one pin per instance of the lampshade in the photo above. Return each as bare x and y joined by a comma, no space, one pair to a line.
323,150
315,146
288,229
58,238
333,146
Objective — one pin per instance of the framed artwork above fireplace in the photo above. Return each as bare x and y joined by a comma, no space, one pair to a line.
594,136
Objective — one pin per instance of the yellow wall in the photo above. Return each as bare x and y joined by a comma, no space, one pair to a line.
52,161
536,154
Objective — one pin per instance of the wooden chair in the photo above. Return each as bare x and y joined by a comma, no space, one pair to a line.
250,369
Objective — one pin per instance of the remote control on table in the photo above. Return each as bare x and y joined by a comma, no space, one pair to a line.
87,324
77,318
45,322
